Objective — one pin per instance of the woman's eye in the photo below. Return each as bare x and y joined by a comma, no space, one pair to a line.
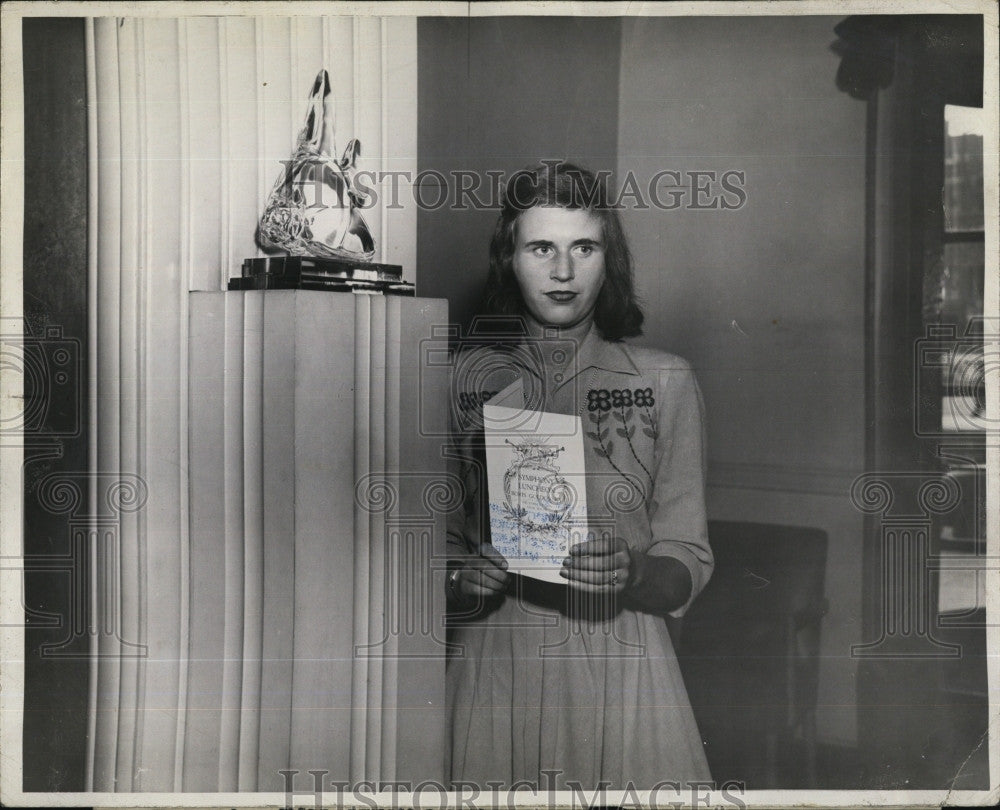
543,250
585,250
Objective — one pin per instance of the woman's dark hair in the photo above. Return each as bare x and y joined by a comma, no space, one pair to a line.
564,185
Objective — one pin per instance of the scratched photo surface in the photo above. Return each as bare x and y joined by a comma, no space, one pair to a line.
249,535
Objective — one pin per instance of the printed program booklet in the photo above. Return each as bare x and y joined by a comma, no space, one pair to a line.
537,487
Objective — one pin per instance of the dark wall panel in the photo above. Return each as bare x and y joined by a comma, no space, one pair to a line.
55,311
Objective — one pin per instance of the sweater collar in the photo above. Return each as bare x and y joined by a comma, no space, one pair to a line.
572,358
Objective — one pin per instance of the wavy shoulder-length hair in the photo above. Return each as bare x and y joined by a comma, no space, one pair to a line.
617,314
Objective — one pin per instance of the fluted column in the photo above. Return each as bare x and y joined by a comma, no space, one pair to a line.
326,531
189,119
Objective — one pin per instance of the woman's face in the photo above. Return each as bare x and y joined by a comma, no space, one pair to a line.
559,265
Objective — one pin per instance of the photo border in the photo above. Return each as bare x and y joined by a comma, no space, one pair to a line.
11,309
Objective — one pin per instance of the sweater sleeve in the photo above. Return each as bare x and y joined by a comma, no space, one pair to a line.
677,514
463,466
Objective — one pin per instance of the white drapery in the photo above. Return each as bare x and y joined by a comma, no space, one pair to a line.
188,120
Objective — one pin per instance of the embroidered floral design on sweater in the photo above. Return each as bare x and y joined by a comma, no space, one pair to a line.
623,404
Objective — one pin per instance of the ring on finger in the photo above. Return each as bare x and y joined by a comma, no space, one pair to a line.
614,577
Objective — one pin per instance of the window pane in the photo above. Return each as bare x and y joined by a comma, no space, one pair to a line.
962,285
962,585
963,168
962,307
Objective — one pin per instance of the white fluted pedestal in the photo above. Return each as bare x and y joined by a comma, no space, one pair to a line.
311,589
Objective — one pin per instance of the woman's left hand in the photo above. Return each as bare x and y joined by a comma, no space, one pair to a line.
601,565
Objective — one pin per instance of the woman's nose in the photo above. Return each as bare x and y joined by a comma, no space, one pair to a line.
562,268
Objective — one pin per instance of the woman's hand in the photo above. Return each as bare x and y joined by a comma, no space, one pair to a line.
609,566
602,565
481,577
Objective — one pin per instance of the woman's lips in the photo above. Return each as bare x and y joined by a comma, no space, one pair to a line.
561,296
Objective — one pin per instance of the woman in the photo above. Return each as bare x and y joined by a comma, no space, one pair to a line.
578,683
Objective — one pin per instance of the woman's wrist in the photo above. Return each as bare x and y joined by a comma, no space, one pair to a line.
658,584
636,570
